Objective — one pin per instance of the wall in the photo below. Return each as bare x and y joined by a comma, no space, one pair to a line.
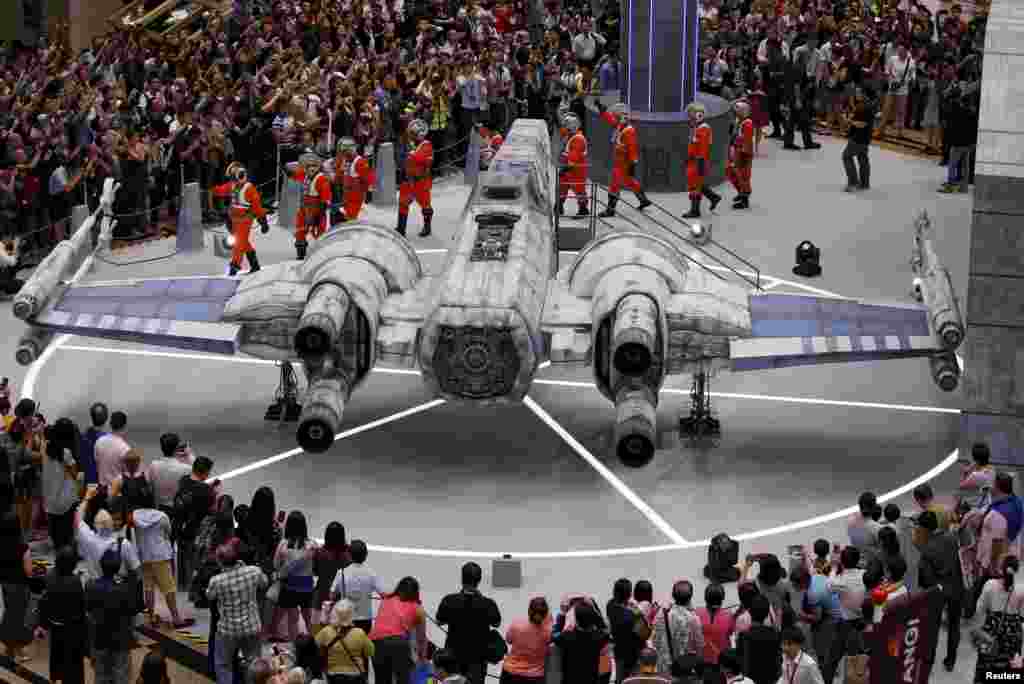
88,18
994,347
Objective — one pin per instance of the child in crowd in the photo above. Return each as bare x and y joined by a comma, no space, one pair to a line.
822,560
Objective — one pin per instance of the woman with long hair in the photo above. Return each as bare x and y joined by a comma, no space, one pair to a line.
583,643
1002,606
261,530
328,560
529,641
620,612
399,618
293,562
718,624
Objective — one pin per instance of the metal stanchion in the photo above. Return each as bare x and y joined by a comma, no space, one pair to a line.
277,177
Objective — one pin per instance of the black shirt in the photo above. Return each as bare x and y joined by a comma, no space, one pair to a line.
469,616
862,136
760,651
111,607
581,655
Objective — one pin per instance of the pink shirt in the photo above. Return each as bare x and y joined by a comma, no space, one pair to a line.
395,618
527,648
110,453
717,632
993,527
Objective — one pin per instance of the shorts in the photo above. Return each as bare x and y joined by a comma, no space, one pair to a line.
158,574
295,599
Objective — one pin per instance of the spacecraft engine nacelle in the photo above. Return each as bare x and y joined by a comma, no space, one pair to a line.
353,270
629,278
936,287
32,344
945,371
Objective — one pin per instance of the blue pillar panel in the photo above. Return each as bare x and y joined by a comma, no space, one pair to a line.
661,50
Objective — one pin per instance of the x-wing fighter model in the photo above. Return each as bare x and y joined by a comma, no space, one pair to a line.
634,307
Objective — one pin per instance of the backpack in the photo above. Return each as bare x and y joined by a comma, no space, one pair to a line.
185,519
723,555
135,491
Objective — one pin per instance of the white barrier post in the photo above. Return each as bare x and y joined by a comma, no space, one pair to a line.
384,194
190,220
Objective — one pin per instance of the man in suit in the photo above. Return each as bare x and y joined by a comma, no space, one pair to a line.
940,567
797,666
470,616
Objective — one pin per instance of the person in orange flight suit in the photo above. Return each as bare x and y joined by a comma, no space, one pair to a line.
418,182
741,156
316,199
357,177
246,205
490,143
697,161
626,155
573,167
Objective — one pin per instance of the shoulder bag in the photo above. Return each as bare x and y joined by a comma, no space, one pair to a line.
986,639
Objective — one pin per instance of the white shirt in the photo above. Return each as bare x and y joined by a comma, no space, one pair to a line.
800,670
110,452
359,584
165,474
900,73
585,45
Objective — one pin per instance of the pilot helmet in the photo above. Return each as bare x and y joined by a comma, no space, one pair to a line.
571,122
347,146
418,128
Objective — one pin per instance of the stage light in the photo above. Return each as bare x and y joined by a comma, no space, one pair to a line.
700,233
223,244
808,260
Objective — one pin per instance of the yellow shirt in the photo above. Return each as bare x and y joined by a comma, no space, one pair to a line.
919,535
7,422
357,643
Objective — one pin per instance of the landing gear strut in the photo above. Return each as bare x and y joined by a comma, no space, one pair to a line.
701,422
286,405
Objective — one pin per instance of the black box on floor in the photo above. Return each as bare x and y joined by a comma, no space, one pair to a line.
573,235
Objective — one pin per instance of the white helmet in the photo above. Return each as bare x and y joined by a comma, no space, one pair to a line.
695,108
419,129
310,160
571,122
347,145
236,171
742,109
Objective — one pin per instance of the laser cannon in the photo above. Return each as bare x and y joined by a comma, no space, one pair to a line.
936,288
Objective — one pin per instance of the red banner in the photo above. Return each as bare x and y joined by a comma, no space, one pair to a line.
902,642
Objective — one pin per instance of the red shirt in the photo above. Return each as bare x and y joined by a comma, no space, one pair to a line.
700,143
420,161
359,175
717,632
503,17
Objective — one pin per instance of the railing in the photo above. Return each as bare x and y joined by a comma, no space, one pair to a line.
753,276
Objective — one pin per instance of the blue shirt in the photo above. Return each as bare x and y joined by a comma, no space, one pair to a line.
610,76
819,596
470,90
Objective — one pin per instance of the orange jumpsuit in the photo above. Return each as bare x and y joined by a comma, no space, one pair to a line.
316,197
417,183
246,207
741,155
698,149
574,177
627,153
359,177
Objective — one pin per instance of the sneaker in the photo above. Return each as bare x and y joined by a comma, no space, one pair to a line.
948,189
813,146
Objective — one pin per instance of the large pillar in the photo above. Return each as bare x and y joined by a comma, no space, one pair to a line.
994,346
660,43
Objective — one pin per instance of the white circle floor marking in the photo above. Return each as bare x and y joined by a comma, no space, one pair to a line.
32,375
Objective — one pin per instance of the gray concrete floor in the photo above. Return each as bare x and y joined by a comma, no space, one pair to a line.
458,482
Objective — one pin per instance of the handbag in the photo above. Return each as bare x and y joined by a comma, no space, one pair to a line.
986,639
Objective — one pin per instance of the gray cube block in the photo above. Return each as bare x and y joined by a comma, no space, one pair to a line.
507,573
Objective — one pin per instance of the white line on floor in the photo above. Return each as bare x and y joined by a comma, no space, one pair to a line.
602,470
340,436
30,380
537,381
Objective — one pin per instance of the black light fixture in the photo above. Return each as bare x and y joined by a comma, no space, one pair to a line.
808,260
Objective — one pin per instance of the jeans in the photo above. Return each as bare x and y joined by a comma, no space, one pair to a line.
840,646
112,666
227,647
859,152
392,661
798,120
823,640
959,169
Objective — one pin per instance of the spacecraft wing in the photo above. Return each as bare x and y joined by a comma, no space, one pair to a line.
797,330
566,325
180,313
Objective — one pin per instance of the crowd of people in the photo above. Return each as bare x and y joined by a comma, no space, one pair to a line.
285,608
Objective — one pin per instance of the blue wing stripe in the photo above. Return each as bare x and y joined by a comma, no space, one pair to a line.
798,316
